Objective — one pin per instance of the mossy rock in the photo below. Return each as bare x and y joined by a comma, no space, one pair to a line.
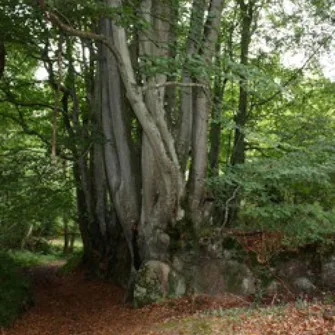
156,281
218,276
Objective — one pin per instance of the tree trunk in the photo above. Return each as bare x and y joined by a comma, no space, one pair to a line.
72,241
238,154
66,237
161,188
27,236
145,217
194,44
200,121
239,147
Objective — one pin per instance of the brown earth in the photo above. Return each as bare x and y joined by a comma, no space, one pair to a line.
74,305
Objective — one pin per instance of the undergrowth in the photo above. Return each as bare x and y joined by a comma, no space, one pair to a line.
73,262
25,258
15,292
15,287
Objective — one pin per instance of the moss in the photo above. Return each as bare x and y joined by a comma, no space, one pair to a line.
176,285
234,279
147,288
155,282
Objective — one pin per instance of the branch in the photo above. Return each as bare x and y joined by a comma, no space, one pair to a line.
25,128
212,28
227,207
26,104
167,160
294,76
81,34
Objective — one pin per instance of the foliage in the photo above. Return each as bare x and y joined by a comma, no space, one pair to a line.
15,293
57,246
34,192
26,259
73,263
293,194
33,196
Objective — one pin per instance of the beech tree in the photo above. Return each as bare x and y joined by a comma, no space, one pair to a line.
133,89
163,184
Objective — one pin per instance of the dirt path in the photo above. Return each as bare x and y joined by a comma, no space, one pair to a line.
72,305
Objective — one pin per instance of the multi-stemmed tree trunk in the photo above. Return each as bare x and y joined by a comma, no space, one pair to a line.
170,185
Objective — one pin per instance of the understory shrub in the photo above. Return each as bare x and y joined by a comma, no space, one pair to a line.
15,292
294,195
73,262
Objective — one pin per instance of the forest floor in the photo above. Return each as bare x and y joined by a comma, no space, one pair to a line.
74,305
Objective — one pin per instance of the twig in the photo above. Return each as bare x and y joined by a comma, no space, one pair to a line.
227,207
273,299
285,286
294,75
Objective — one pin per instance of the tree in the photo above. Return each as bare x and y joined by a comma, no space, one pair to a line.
166,197
131,89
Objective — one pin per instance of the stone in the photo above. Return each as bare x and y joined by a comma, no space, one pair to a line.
156,281
293,269
217,276
328,273
177,263
303,285
273,288
227,254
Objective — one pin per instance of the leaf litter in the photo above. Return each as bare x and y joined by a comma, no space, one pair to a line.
73,305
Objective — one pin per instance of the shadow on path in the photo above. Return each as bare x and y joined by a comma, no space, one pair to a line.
71,304
74,305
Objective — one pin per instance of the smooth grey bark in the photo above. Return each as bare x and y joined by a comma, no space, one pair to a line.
160,188
216,121
187,93
163,179
200,121
220,82
171,96
117,155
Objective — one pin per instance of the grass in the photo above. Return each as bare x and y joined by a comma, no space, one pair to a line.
25,258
